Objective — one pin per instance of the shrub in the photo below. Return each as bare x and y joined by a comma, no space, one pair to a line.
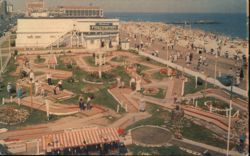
13,44
15,53
38,57
69,66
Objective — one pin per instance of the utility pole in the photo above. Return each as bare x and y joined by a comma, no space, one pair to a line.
1,59
215,67
9,44
31,96
229,119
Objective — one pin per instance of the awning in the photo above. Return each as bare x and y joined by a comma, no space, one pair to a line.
79,137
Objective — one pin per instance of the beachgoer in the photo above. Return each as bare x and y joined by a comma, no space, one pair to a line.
60,85
9,89
88,103
54,90
81,103
49,79
36,88
32,76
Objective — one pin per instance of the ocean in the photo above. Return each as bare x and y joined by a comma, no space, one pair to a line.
229,24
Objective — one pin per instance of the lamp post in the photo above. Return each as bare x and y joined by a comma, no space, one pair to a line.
1,59
229,118
215,67
31,95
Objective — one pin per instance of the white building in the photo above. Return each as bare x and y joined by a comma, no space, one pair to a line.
89,33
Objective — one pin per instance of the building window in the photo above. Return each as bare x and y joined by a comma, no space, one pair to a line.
37,36
82,12
29,37
90,12
92,41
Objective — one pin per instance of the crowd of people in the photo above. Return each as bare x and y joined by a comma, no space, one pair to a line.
113,148
85,105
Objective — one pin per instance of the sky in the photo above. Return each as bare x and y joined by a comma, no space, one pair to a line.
170,6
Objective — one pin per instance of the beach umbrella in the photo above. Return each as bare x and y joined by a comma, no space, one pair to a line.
226,80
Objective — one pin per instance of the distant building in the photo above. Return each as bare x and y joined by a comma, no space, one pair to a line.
89,33
66,26
10,8
79,11
34,6
3,9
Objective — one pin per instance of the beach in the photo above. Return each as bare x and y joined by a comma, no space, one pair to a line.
174,43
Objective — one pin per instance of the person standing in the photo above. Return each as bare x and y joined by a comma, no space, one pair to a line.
32,76
17,94
54,90
9,89
191,57
36,88
42,91
81,103
49,79
60,85
175,97
88,103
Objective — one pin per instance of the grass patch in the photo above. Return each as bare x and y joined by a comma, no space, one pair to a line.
119,59
39,60
198,133
90,60
190,86
102,97
160,95
64,66
106,77
35,117
4,58
171,150
216,103
11,67
121,72
140,68
158,117
189,129
159,76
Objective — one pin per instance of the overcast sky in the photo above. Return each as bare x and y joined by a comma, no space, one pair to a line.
173,6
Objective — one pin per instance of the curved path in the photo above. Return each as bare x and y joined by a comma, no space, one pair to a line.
222,95
85,66
218,120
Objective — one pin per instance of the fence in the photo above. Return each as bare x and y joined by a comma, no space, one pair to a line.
5,62
195,74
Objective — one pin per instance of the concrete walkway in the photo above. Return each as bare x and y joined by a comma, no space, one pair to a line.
222,95
129,119
207,147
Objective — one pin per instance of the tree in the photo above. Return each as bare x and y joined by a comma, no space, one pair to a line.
4,150
13,44
241,73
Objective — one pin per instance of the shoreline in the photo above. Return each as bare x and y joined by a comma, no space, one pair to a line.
194,30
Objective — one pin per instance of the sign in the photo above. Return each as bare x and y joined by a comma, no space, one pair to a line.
17,147
103,26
